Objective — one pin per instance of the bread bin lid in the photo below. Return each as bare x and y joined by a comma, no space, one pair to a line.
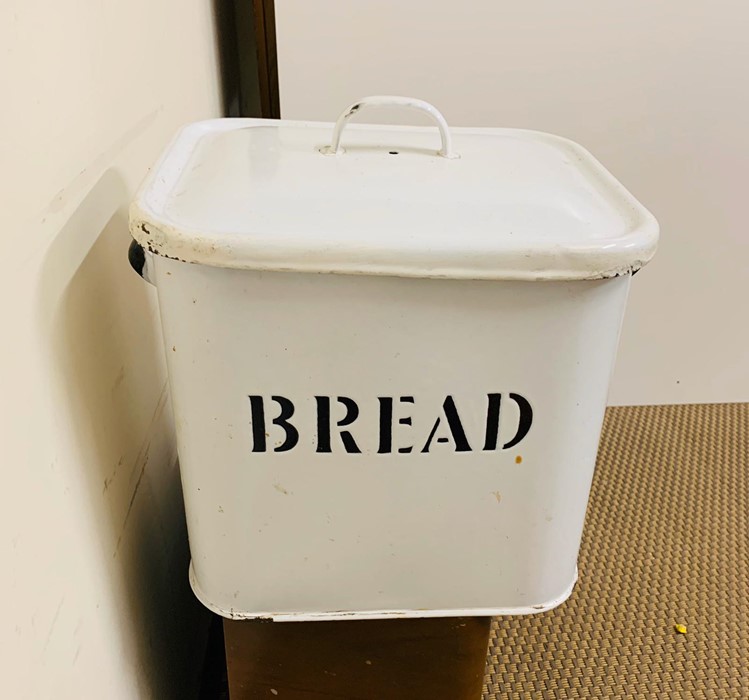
470,203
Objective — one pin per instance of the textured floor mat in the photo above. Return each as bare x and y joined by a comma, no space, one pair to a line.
665,543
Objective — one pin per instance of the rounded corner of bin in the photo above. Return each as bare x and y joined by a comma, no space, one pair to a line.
558,600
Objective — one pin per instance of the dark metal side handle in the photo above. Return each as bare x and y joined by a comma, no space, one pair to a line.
139,260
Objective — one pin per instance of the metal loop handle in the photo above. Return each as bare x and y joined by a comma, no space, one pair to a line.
392,101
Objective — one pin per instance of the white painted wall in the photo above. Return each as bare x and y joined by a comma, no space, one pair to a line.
657,91
95,600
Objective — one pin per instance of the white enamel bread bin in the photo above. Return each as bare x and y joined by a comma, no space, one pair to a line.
389,350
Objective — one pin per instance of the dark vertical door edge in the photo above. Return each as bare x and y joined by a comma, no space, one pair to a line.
246,41
265,32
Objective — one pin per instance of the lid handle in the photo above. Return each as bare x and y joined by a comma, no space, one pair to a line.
391,101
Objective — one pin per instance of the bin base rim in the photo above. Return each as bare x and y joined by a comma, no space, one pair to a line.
235,614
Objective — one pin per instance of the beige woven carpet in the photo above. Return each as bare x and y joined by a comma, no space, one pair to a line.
665,542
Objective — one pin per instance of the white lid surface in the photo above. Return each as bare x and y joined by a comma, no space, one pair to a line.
260,194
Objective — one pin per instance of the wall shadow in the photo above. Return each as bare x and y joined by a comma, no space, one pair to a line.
102,328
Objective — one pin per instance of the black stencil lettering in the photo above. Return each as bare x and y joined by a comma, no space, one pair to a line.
259,437
258,423
456,427
323,424
352,413
282,421
386,425
492,422
405,421
524,424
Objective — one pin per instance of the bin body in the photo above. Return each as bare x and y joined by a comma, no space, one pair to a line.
301,532
396,439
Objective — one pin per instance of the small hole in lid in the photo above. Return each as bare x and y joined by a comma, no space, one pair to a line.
393,153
